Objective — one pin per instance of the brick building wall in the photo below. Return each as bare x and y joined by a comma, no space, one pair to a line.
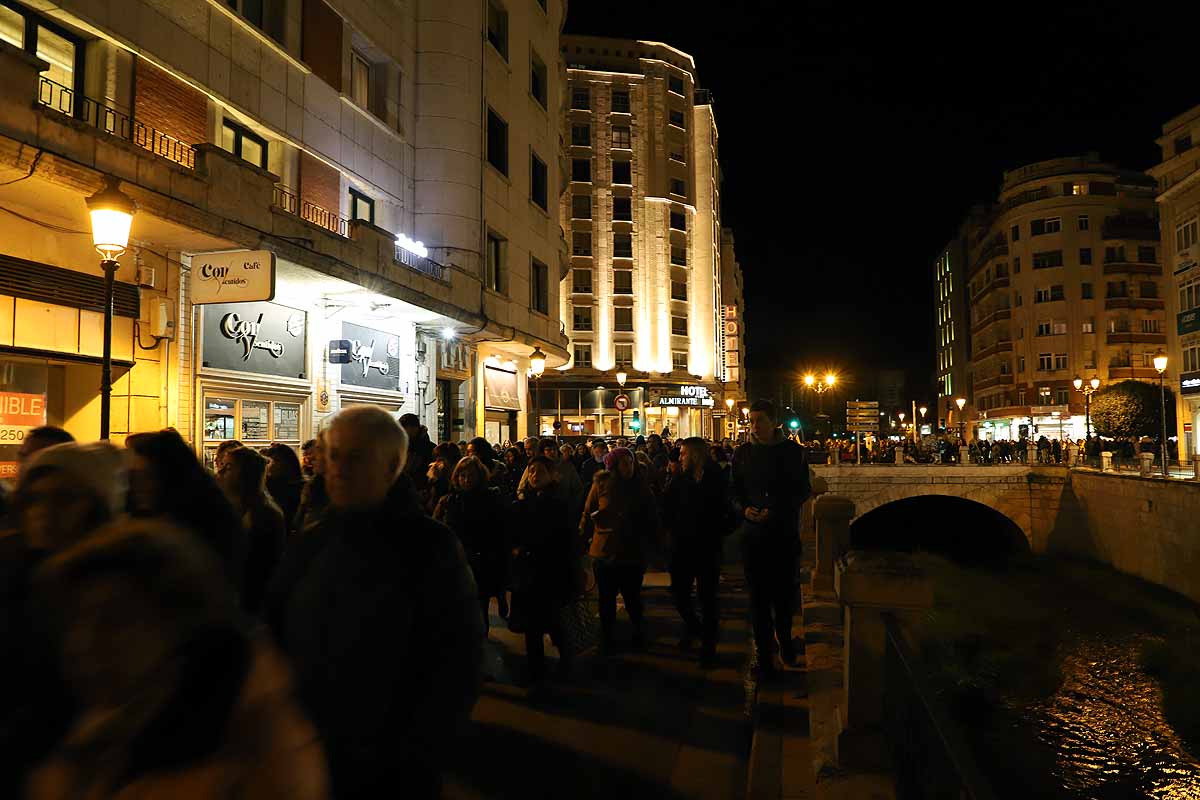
169,105
320,184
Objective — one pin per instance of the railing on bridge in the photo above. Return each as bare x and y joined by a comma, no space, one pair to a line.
930,754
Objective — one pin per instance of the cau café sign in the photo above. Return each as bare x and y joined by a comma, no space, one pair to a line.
241,277
689,396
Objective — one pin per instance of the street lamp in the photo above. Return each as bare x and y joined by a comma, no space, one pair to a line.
1087,389
1160,364
622,376
112,213
962,429
537,367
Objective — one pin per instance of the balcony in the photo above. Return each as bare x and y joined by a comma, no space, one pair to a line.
997,283
1123,371
108,120
998,246
995,316
994,380
1031,196
1137,228
286,199
421,264
1151,303
1131,268
1132,337
1000,346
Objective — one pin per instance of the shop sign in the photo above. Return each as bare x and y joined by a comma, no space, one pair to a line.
500,389
242,277
690,396
454,359
265,338
368,357
1188,322
1189,383
20,412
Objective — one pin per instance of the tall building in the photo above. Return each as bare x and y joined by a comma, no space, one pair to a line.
298,147
953,330
733,332
1178,176
642,212
1064,280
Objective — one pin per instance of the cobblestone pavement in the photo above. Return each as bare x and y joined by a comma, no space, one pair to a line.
649,724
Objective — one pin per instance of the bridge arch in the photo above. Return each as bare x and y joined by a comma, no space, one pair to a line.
955,524
998,497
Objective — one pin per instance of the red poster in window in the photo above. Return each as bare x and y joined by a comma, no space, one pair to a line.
19,413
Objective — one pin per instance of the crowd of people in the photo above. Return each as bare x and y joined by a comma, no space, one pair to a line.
312,625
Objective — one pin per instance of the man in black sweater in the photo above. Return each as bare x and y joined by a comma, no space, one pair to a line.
770,484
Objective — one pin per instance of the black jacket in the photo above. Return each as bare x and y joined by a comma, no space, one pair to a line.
698,513
546,548
480,520
772,475
379,614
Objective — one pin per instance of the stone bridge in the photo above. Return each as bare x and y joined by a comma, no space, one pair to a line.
1030,496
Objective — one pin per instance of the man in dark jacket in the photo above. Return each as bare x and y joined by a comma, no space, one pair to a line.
770,484
377,609
696,515
420,450
594,464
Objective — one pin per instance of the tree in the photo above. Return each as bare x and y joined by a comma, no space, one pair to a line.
1130,409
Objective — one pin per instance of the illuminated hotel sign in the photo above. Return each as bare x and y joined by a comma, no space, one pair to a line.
691,396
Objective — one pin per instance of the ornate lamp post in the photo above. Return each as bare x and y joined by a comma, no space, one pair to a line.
622,376
1087,389
112,213
962,423
537,366
1160,364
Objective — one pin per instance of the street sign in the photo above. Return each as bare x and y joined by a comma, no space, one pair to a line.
621,402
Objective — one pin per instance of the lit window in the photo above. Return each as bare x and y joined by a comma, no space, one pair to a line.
679,360
623,355
244,144
361,207
620,138
583,355
360,80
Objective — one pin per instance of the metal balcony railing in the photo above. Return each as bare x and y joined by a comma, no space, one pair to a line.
108,120
292,203
422,264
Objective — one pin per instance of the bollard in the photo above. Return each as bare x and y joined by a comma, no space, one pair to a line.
1106,461
964,456
899,456
1031,454
1147,460
831,518
870,584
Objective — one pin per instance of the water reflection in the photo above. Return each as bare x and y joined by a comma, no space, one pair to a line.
1106,725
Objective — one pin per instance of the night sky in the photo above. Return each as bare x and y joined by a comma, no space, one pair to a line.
854,140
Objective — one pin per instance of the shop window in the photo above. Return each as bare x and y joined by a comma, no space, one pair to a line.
250,420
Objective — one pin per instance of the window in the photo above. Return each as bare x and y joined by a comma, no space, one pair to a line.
537,79
1060,360
1088,326
679,361
1114,254
497,28
1146,254
581,318
1151,326
1016,265
1056,292
1148,289
1016,233
1117,289
622,209
361,207
678,325
244,144
538,182
622,245
1183,143
1085,291
1085,256
678,187
622,281
496,251
1061,396
265,16
581,243
623,319
677,155
675,84
1059,327
623,355
497,142
1189,294
678,221
620,137
1040,227
679,256
1020,397
1043,328
360,80
1045,361
1186,234
583,355
1020,363
675,117
678,290
1048,258
620,101
1017,299
622,172
581,170
581,206
1082,222
1041,295
581,99
1075,189
539,286
581,135
581,281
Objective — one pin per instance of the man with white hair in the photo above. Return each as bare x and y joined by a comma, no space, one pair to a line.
377,609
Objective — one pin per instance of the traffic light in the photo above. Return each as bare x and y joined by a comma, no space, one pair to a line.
636,424
794,423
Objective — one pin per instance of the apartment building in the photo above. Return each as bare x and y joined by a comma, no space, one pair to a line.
733,338
1064,280
1178,176
953,346
642,213
340,143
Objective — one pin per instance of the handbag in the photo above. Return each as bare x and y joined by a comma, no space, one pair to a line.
580,626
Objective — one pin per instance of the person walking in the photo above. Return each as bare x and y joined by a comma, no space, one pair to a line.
445,459
475,511
696,518
770,484
420,450
285,481
570,488
619,518
593,464
543,552
314,500
378,612
243,476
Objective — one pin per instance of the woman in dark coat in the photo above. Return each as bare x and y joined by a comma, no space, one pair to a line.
475,512
243,477
285,480
445,459
543,551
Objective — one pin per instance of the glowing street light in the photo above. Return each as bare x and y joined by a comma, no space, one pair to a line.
1160,364
537,367
1087,389
962,429
111,211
